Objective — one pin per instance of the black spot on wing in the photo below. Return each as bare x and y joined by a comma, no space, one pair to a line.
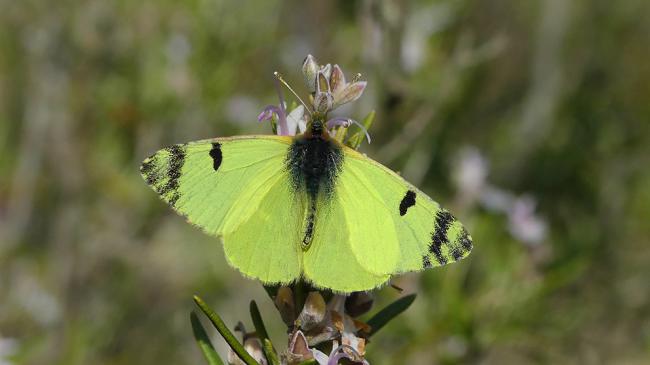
439,236
426,262
148,170
407,201
176,162
462,245
465,241
216,155
436,250
456,253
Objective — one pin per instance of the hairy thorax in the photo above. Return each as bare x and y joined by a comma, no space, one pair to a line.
314,161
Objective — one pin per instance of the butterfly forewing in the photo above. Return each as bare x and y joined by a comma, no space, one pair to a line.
235,188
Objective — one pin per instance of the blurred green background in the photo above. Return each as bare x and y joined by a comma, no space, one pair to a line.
530,120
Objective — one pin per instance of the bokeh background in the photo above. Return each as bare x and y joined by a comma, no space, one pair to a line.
530,120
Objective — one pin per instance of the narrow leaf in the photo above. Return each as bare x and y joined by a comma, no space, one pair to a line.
391,311
355,140
225,332
270,353
203,341
260,329
257,321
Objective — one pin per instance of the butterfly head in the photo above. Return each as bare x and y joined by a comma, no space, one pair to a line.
316,125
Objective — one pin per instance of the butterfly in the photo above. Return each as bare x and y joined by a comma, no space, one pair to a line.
306,207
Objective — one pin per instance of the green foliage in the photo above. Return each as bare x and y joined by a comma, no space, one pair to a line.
228,336
204,341
391,311
260,329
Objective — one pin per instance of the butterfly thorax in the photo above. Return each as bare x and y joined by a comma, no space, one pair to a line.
314,161
316,126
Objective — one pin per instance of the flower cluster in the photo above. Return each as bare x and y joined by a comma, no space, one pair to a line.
322,324
322,333
328,86
328,90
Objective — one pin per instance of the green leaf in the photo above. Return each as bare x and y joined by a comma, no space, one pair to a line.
391,311
270,353
225,332
355,140
203,341
260,329
257,321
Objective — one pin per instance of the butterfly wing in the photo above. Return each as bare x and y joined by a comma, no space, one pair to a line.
387,226
236,188
329,262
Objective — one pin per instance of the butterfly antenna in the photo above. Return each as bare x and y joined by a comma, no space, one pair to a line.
281,79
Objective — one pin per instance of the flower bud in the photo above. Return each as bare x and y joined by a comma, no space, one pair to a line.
310,70
337,79
358,303
298,350
284,304
350,93
313,312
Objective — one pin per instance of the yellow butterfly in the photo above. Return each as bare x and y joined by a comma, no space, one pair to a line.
307,206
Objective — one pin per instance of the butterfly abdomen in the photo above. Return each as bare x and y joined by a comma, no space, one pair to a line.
313,162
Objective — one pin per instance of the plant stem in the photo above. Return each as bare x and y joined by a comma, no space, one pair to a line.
225,332
260,329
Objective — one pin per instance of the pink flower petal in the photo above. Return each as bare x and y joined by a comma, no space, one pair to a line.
337,79
351,93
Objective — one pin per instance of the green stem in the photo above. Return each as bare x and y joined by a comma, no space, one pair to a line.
260,329
299,296
270,353
225,332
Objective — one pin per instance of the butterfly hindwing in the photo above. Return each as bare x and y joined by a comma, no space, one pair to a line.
329,261
235,188
389,226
